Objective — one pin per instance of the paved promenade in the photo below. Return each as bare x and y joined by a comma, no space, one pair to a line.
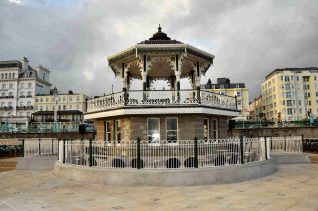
292,187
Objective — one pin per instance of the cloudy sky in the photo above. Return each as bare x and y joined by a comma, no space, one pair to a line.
248,38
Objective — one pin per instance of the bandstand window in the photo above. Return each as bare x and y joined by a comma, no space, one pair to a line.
153,130
206,129
107,132
172,129
117,131
215,129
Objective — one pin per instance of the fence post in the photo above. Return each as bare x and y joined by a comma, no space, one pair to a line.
271,144
265,148
196,159
242,149
52,147
138,154
285,144
40,147
302,142
90,151
22,147
64,150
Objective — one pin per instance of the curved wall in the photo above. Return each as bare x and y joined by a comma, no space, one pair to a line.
166,177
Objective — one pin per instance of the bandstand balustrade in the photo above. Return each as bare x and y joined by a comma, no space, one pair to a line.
162,98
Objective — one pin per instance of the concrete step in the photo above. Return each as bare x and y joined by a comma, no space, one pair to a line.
313,158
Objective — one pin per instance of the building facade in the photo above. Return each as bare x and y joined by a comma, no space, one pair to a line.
290,94
225,87
19,83
70,107
170,114
257,109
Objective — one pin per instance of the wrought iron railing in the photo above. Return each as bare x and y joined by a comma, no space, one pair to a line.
286,144
161,98
43,147
182,154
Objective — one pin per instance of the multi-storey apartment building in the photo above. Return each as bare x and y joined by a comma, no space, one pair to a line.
19,83
70,107
291,94
225,87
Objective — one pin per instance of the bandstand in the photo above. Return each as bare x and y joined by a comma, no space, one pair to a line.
151,114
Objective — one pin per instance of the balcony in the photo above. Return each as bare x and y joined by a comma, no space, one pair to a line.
162,98
24,107
6,97
28,96
21,96
4,108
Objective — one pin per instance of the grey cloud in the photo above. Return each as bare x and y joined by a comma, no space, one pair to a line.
248,38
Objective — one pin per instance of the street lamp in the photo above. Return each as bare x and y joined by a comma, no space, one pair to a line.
55,93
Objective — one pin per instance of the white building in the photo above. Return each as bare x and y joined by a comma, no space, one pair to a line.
19,83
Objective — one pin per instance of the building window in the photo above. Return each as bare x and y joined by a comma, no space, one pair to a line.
289,103
29,94
29,103
289,111
11,86
107,132
64,107
297,78
153,130
3,86
13,75
215,129
29,85
70,107
238,94
118,131
22,85
172,129
70,98
206,129
47,99
64,99
77,98
315,78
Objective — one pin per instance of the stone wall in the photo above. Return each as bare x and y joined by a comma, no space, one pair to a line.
308,132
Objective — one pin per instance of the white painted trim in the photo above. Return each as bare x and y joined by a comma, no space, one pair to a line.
151,111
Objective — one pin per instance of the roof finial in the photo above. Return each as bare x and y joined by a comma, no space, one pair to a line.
159,28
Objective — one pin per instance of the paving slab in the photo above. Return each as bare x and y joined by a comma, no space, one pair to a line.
292,187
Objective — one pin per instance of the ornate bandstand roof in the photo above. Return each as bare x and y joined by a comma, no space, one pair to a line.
163,56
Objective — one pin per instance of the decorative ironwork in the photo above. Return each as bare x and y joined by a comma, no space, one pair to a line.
161,98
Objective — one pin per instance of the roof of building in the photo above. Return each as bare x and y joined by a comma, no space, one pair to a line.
10,64
290,69
223,83
160,38
58,112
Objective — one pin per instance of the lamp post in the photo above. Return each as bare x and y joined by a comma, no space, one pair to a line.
55,93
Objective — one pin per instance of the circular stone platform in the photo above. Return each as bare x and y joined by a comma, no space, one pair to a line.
165,177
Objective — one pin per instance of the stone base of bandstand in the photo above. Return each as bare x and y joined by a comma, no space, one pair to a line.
166,177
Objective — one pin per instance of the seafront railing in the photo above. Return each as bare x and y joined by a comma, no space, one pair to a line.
163,154
133,98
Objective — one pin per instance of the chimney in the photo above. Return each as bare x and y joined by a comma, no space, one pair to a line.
25,63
